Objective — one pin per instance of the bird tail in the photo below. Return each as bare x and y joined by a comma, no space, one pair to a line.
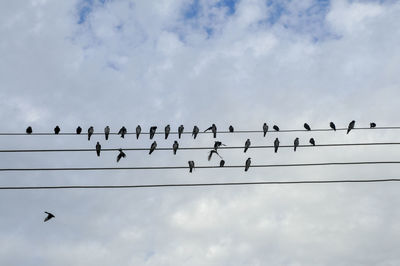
245,149
106,136
174,152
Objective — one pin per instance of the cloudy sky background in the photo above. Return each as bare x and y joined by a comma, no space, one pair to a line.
98,63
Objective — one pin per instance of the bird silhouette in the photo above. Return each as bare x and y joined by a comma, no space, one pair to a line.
191,166
231,128
152,131
265,129
307,127
106,132
211,153
332,125
90,132
247,165
175,146
276,128
296,143
138,130
122,132
213,129
120,155
167,130
57,130
29,130
276,144
218,144
312,141
372,125
195,132
49,216
247,145
351,126
153,147
98,148
78,130
180,131
221,163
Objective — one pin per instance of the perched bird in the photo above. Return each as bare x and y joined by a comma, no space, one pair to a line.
106,132
265,129
276,128
180,131
296,143
231,128
152,131
49,216
153,147
218,144
29,130
221,163
213,128
312,141
276,144
57,130
372,125
247,165
98,148
122,132
307,127
138,130
351,126
167,130
247,145
195,132
191,166
120,155
78,130
332,125
90,132
175,146
211,153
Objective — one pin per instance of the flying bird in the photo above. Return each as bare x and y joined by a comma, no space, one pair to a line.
296,143
78,130
221,163
231,128
191,166
276,128
29,130
120,155
312,141
153,147
247,165
247,145
218,144
152,131
276,144
138,130
90,132
372,125
180,131
307,127
106,132
175,146
211,153
49,216
122,132
195,132
213,129
167,130
351,126
57,130
98,148
332,125
265,129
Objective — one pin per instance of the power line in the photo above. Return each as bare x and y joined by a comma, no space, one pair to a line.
202,184
197,167
205,148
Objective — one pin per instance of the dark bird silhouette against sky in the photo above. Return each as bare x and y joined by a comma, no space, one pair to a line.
312,141
106,132
372,125
29,130
152,131
180,130
211,153
167,129
276,128
307,127
57,130
231,129
191,166
296,143
218,144
265,129
90,132
175,147
247,164
153,147
98,148
351,126
213,129
49,216
78,130
247,145
195,132
221,163
120,155
138,130
276,145
122,132
332,125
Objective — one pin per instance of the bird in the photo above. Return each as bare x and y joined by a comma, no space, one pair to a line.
29,130
122,132
221,163
265,129
78,130
231,128
247,145
312,141
247,165
98,148
57,130
276,128
138,130
175,146
191,166
211,153
120,155
296,143
49,216
213,128
195,132
167,130
218,144
307,127
332,125
372,125
106,132
276,144
180,131
90,132
152,131
351,126
153,147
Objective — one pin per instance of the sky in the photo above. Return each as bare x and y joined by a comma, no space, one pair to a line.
198,62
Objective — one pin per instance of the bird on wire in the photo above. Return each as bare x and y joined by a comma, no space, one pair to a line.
175,146
180,130
211,153
265,129
276,145
78,130
153,147
312,141
98,148
138,130
276,128
351,126
49,216
195,132
120,155
213,129
221,163
247,164
296,143
231,129
29,130
218,144
106,132
372,125
307,127
167,129
332,125
191,166
152,131
57,130
247,145
122,132
90,132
